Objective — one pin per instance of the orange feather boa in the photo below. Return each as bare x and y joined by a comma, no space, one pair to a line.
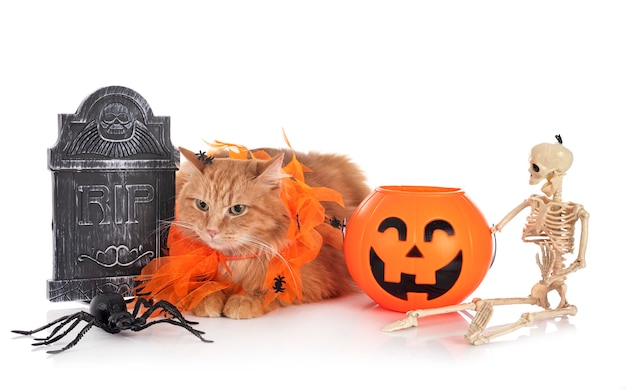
187,274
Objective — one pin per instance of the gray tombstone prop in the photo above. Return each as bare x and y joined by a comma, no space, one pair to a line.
113,172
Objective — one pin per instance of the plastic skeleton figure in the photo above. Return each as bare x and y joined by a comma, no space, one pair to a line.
550,225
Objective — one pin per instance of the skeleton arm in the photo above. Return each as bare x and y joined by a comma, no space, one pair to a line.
582,248
507,218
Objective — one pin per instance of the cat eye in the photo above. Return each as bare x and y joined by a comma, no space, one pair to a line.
202,205
237,209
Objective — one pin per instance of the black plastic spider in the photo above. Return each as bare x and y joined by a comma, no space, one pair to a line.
203,157
108,311
335,222
279,282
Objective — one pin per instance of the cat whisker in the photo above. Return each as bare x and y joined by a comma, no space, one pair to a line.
267,252
261,249
182,224
271,251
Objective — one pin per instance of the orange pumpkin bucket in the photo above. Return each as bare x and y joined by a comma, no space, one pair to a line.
416,247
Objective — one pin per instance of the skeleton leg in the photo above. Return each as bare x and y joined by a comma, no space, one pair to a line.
527,319
561,288
484,308
413,315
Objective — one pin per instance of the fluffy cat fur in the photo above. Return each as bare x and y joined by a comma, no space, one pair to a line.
208,196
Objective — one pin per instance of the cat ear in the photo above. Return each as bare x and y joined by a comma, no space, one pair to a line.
193,158
271,171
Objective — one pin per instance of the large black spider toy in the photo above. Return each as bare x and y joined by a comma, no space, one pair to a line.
108,311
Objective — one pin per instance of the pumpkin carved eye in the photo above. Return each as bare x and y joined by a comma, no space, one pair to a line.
394,222
202,205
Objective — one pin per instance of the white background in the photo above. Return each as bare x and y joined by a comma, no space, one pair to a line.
447,93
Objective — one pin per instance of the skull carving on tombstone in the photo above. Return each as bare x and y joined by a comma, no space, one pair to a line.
116,122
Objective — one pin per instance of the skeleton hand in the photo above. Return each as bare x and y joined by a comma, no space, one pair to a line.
546,262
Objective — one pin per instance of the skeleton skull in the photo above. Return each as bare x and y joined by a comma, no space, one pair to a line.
116,122
546,160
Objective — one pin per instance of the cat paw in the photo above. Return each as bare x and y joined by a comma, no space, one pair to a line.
243,307
210,306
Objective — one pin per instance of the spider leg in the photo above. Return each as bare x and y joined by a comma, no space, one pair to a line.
195,332
51,338
170,309
76,317
141,302
29,332
77,338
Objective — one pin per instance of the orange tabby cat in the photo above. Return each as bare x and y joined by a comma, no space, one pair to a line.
234,206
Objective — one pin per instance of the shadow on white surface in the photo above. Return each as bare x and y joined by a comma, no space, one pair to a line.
330,343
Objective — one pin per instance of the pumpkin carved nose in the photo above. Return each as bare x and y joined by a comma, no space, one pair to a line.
414,252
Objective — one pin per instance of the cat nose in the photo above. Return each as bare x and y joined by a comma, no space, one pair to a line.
212,232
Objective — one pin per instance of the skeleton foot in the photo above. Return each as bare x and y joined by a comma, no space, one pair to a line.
404,323
484,311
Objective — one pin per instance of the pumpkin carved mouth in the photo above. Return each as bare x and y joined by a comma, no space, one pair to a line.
446,278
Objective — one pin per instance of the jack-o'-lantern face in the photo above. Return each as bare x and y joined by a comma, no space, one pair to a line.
417,247
405,267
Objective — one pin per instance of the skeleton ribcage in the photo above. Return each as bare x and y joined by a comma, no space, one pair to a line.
553,222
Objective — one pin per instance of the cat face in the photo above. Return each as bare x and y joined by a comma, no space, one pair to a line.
232,205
